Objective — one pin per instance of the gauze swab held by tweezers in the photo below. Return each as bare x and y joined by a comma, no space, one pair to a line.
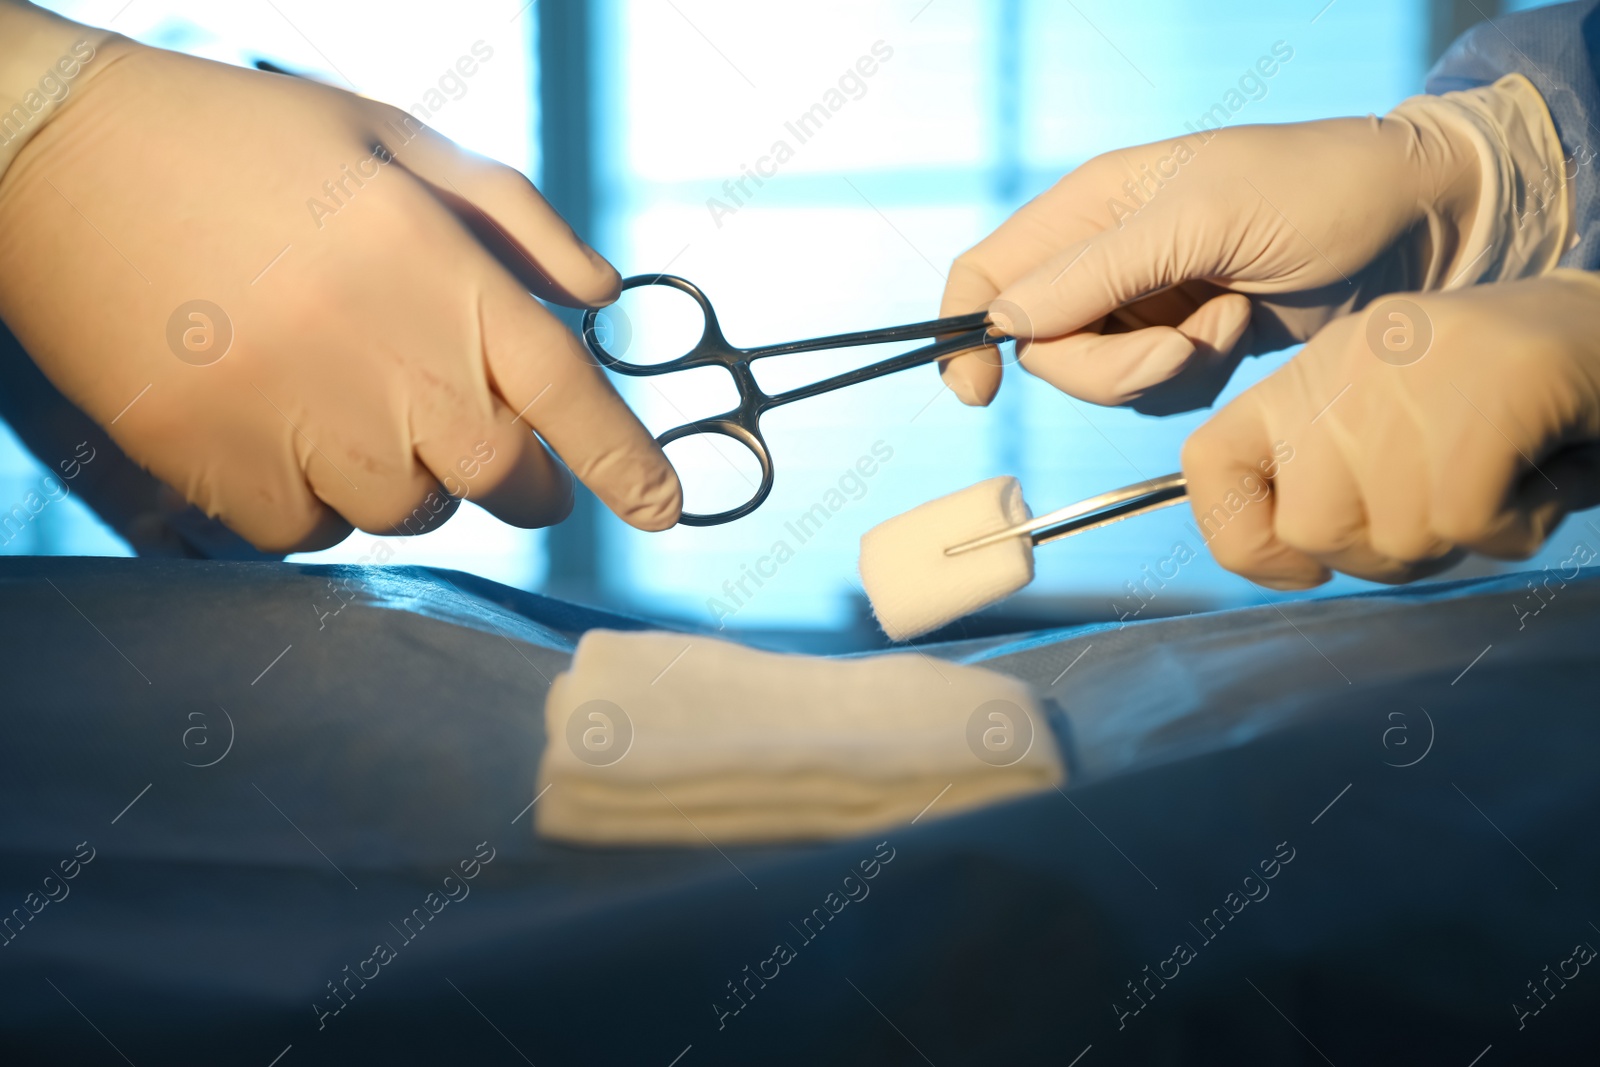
962,552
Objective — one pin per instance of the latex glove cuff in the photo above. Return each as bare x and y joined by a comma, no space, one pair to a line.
1521,218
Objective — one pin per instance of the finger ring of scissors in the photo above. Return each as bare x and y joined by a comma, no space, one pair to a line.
743,423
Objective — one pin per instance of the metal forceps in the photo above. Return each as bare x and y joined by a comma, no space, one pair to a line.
1141,498
743,423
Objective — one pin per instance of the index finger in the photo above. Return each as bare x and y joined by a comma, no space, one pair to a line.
550,380
1224,460
508,215
1069,212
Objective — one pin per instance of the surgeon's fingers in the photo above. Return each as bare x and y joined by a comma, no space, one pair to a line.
282,515
1065,214
1093,277
499,464
974,376
544,373
1230,465
1509,508
1109,369
1119,368
1565,482
1390,459
1070,211
376,484
325,531
1321,512
507,214
1064,263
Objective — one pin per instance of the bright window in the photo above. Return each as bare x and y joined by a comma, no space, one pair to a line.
942,117
977,107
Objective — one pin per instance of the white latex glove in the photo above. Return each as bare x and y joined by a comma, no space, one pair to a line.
1428,425
381,353
1144,276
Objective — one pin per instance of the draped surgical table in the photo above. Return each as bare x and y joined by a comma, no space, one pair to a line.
1356,830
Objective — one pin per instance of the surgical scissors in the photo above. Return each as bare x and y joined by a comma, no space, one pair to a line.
743,423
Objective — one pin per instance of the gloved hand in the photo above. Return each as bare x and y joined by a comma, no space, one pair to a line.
1146,275
1428,425
367,344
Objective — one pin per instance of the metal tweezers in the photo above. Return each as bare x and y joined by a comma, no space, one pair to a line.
1090,514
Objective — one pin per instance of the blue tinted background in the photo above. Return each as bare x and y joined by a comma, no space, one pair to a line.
980,106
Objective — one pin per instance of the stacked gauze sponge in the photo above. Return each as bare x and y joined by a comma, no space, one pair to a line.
664,738
914,587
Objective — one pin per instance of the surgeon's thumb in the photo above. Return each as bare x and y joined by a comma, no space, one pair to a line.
508,215
974,375
1090,279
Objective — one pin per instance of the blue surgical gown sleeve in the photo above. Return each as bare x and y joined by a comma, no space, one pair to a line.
1558,49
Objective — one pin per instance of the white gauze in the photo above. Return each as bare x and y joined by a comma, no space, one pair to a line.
914,587
664,738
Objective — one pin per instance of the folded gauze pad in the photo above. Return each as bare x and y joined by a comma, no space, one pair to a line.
914,587
663,738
